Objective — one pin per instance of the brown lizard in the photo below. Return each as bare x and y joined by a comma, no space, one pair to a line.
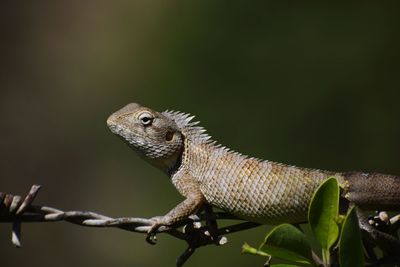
257,190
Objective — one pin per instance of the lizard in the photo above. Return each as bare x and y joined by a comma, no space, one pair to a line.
207,173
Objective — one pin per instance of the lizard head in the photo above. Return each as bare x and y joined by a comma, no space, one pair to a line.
152,134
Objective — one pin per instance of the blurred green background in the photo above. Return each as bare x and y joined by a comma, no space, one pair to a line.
315,85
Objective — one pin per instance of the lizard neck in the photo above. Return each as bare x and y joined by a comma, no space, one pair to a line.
174,165
168,165
198,156
194,157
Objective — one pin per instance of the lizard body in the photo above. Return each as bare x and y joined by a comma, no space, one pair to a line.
256,190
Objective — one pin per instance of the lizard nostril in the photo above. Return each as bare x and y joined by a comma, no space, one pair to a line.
110,120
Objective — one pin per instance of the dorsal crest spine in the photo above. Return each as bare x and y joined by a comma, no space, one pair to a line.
189,128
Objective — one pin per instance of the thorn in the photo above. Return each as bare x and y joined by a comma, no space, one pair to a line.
197,225
383,216
16,234
16,201
222,240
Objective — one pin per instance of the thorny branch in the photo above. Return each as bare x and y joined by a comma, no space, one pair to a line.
16,211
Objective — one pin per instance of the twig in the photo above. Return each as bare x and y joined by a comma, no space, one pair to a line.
317,259
15,211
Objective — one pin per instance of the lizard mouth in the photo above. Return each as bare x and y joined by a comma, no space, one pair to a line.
136,141
126,135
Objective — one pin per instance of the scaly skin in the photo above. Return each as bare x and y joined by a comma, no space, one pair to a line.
256,190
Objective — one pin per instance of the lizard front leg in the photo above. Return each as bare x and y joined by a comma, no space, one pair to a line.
183,210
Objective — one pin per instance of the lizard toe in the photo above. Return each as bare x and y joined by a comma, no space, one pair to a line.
151,233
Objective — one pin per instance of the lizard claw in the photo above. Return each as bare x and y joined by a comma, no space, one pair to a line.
151,237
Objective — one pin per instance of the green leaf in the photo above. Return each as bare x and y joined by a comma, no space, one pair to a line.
323,214
350,244
288,243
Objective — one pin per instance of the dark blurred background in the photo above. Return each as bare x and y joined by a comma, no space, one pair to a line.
314,85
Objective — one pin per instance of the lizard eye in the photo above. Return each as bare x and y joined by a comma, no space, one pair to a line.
146,118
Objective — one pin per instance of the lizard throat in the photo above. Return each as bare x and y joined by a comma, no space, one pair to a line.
175,167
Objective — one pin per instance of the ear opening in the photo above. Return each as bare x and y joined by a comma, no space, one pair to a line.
169,136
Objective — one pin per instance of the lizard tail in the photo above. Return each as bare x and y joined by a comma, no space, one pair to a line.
373,191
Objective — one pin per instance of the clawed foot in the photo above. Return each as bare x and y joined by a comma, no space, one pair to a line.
151,237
